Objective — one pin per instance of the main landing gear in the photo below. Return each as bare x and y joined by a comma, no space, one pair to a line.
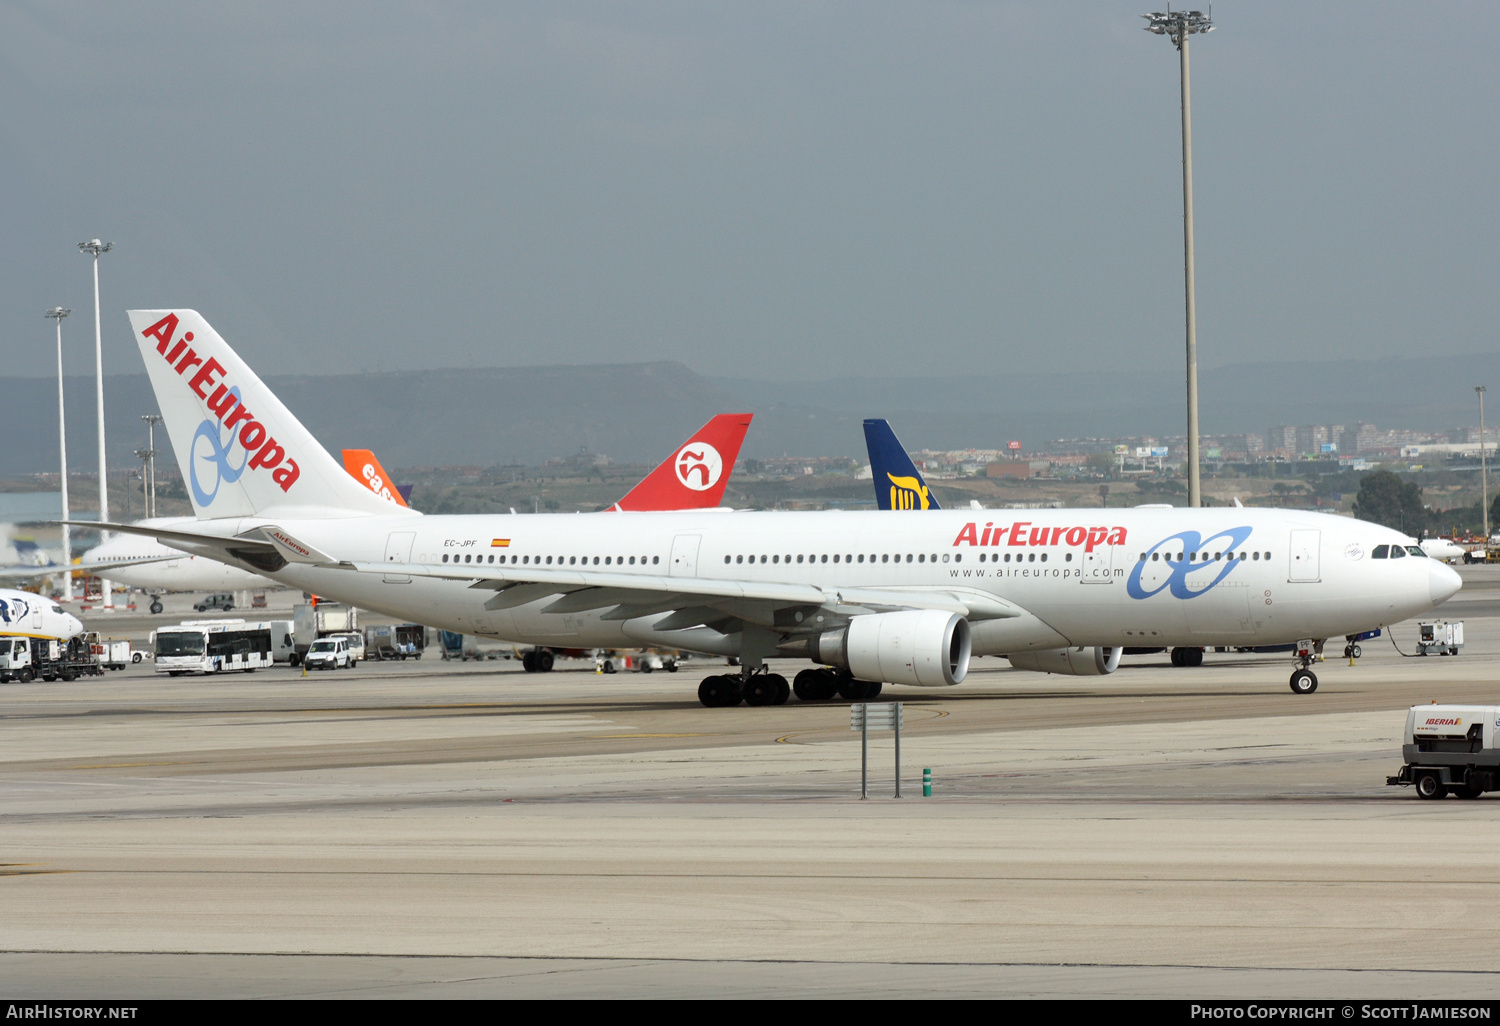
764,688
538,660
1187,657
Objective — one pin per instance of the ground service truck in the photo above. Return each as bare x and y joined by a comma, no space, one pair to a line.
1451,748
318,620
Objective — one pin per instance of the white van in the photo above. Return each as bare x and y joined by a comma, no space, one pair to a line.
328,654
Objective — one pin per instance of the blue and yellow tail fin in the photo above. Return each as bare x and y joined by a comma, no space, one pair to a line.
898,483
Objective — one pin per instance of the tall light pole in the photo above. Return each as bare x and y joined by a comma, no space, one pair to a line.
1178,26
1484,473
96,247
152,419
57,313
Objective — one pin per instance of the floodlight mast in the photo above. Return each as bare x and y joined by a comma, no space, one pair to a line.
57,313
1484,473
95,247
1178,26
152,419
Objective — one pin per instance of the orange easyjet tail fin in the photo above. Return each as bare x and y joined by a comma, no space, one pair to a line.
366,469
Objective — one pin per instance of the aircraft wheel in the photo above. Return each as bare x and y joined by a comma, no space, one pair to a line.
156,607
1355,652
783,689
1192,657
609,666
859,690
1304,682
1429,786
528,662
719,692
808,685
760,690
544,661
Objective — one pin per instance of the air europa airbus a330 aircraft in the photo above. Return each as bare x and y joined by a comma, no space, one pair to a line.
869,598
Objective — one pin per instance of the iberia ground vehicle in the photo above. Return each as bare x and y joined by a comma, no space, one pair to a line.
1450,748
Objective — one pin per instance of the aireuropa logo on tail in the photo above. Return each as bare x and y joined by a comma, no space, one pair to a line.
698,466
1189,553
211,461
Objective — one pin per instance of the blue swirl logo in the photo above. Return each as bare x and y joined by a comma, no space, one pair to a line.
216,456
1177,577
13,610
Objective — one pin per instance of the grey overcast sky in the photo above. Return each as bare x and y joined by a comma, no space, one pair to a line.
757,189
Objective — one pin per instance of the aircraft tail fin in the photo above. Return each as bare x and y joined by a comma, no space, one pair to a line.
695,475
898,483
241,452
366,469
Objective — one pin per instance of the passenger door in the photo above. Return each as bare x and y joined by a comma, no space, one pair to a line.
1303,556
398,550
1098,566
685,555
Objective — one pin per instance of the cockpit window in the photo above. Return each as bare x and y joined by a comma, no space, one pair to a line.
1381,552
1415,550
57,609
1397,552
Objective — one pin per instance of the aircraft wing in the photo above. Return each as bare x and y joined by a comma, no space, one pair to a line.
625,596
31,573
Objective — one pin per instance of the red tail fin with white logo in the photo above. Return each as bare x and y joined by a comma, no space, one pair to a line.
366,469
694,476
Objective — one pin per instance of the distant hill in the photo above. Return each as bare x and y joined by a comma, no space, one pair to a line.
637,412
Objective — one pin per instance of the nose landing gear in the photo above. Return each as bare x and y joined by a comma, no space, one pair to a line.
1304,681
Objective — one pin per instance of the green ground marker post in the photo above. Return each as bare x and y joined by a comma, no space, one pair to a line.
927,783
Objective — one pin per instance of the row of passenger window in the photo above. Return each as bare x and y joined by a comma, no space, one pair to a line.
887,557
561,560
1380,551
1204,557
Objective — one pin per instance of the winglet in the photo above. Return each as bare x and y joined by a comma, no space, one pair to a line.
695,475
366,469
898,483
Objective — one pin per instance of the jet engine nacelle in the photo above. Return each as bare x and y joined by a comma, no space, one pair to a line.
925,647
1091,661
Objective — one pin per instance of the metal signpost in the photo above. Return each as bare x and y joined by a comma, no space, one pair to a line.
864,718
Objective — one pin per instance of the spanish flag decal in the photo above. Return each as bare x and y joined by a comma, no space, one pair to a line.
500,543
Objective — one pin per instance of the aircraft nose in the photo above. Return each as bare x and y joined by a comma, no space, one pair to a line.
1443,581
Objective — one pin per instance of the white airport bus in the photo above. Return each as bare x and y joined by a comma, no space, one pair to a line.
213,646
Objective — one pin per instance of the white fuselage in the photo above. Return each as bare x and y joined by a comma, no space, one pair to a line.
24,614
164,569
1079,574
1442,548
